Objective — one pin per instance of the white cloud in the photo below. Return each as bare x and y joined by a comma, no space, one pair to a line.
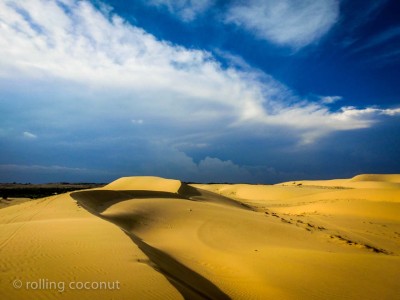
350,112
117,70
137,121
29,135
330,99
187,10
285,22
389,112
315,120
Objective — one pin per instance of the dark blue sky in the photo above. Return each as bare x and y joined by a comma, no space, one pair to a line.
344,61
208,90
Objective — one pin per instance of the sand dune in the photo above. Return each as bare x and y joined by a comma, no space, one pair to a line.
377,177
56,240
360,181
337,239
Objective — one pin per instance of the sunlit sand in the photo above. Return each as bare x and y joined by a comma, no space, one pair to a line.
162,239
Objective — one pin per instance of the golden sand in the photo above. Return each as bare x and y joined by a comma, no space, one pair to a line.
161,239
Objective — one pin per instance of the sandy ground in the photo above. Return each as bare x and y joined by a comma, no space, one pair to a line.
12,201
161,239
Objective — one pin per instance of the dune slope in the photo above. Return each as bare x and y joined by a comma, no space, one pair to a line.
55,240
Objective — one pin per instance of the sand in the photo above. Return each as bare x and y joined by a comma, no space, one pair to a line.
161,239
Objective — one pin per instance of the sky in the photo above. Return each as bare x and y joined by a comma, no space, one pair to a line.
257,91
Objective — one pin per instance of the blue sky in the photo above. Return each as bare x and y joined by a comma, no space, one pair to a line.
207,90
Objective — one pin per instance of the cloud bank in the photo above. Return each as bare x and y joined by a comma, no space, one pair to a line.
73,41
87,76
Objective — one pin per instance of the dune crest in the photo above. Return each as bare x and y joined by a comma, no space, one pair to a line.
395,178
150,183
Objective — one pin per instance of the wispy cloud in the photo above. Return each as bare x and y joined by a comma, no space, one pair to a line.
362,13
380,39
287,23
29,135
384,46
39,168
115,70
137,121
355,17
330,99
186,10
48,173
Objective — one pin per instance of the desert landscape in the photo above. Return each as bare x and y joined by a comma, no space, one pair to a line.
182,149
156,238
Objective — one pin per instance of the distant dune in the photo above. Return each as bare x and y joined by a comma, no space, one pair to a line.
359,181
163,239
378,177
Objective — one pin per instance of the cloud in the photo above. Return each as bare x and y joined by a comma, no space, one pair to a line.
137,121
381,38
207,170
213,169
186,10
29,135
46,173
286,23
27,168
389,112
165,160
330,99
360,14
233,60
384,45
350,111
90,71
314,121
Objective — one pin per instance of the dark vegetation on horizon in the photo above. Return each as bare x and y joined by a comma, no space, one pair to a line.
34,191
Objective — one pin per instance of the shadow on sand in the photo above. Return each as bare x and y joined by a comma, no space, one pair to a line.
189,283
